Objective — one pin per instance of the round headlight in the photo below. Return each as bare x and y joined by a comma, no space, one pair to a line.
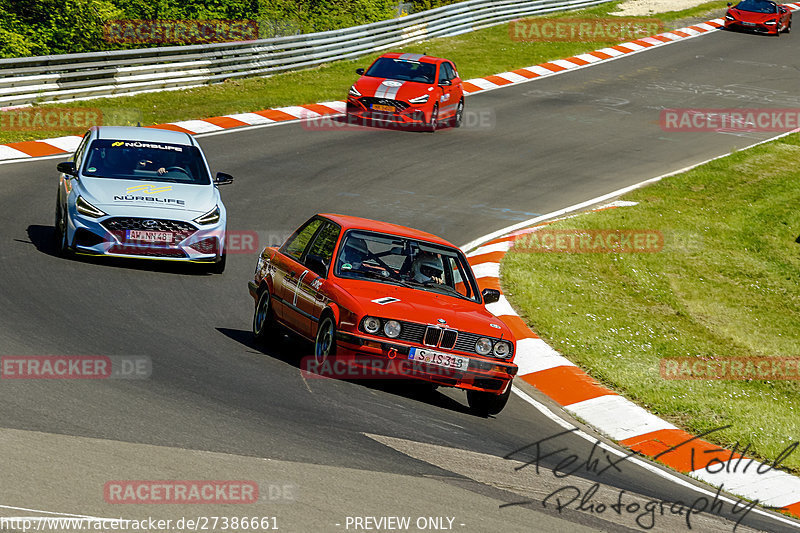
502,349
392,328
483,346
372,325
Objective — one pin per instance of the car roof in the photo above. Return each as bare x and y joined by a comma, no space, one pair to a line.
414,57
133,133
351,222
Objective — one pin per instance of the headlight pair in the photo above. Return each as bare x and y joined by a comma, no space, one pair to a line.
500,349
372,325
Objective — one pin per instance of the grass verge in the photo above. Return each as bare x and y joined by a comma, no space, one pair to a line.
330,81
725,284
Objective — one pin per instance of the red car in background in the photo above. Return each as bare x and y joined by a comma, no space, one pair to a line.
410,90
762,16
388,301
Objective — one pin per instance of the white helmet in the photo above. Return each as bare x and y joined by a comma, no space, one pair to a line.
426,267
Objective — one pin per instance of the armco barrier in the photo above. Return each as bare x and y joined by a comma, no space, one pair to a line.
80,76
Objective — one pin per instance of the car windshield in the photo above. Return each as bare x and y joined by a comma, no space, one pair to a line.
402,69
397,260
150,161
757,6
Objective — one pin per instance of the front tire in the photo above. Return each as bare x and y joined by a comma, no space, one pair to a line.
263,323
219,266
487,403
325,344
433,124
60,235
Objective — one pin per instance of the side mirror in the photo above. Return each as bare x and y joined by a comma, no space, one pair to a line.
445,82
223,179
490,296
316,265
729,4
67,167
360,71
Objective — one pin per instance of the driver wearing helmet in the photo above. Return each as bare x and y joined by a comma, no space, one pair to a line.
427,267
354,253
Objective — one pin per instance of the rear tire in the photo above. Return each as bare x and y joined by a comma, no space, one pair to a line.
483,403
263,323
459,116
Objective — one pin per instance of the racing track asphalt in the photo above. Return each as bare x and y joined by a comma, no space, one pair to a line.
542,146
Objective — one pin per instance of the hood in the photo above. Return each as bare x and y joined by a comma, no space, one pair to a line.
108,194
391,89
750,16
425,307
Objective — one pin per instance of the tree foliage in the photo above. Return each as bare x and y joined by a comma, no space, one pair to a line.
43,27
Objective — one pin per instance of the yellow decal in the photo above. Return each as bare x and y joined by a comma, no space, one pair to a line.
148,189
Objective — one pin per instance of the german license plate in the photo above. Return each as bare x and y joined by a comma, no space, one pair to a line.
749,23
432,357
380,107
148,236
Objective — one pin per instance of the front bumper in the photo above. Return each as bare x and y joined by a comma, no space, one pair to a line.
191,242
411,116
374,359
757,27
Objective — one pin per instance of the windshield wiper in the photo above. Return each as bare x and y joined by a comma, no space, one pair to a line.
439,287
381,277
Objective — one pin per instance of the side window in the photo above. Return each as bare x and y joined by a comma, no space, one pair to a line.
458,281
453,72
443,73
324,243
81,150
296,244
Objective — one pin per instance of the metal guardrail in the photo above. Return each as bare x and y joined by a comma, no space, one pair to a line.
81,76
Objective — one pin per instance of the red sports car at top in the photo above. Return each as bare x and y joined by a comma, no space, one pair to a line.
763,16
381,300
408,89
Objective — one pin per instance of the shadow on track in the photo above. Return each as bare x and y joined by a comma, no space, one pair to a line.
290,349
43,238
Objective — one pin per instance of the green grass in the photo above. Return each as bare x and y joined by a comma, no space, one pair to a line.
476,54
727,283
